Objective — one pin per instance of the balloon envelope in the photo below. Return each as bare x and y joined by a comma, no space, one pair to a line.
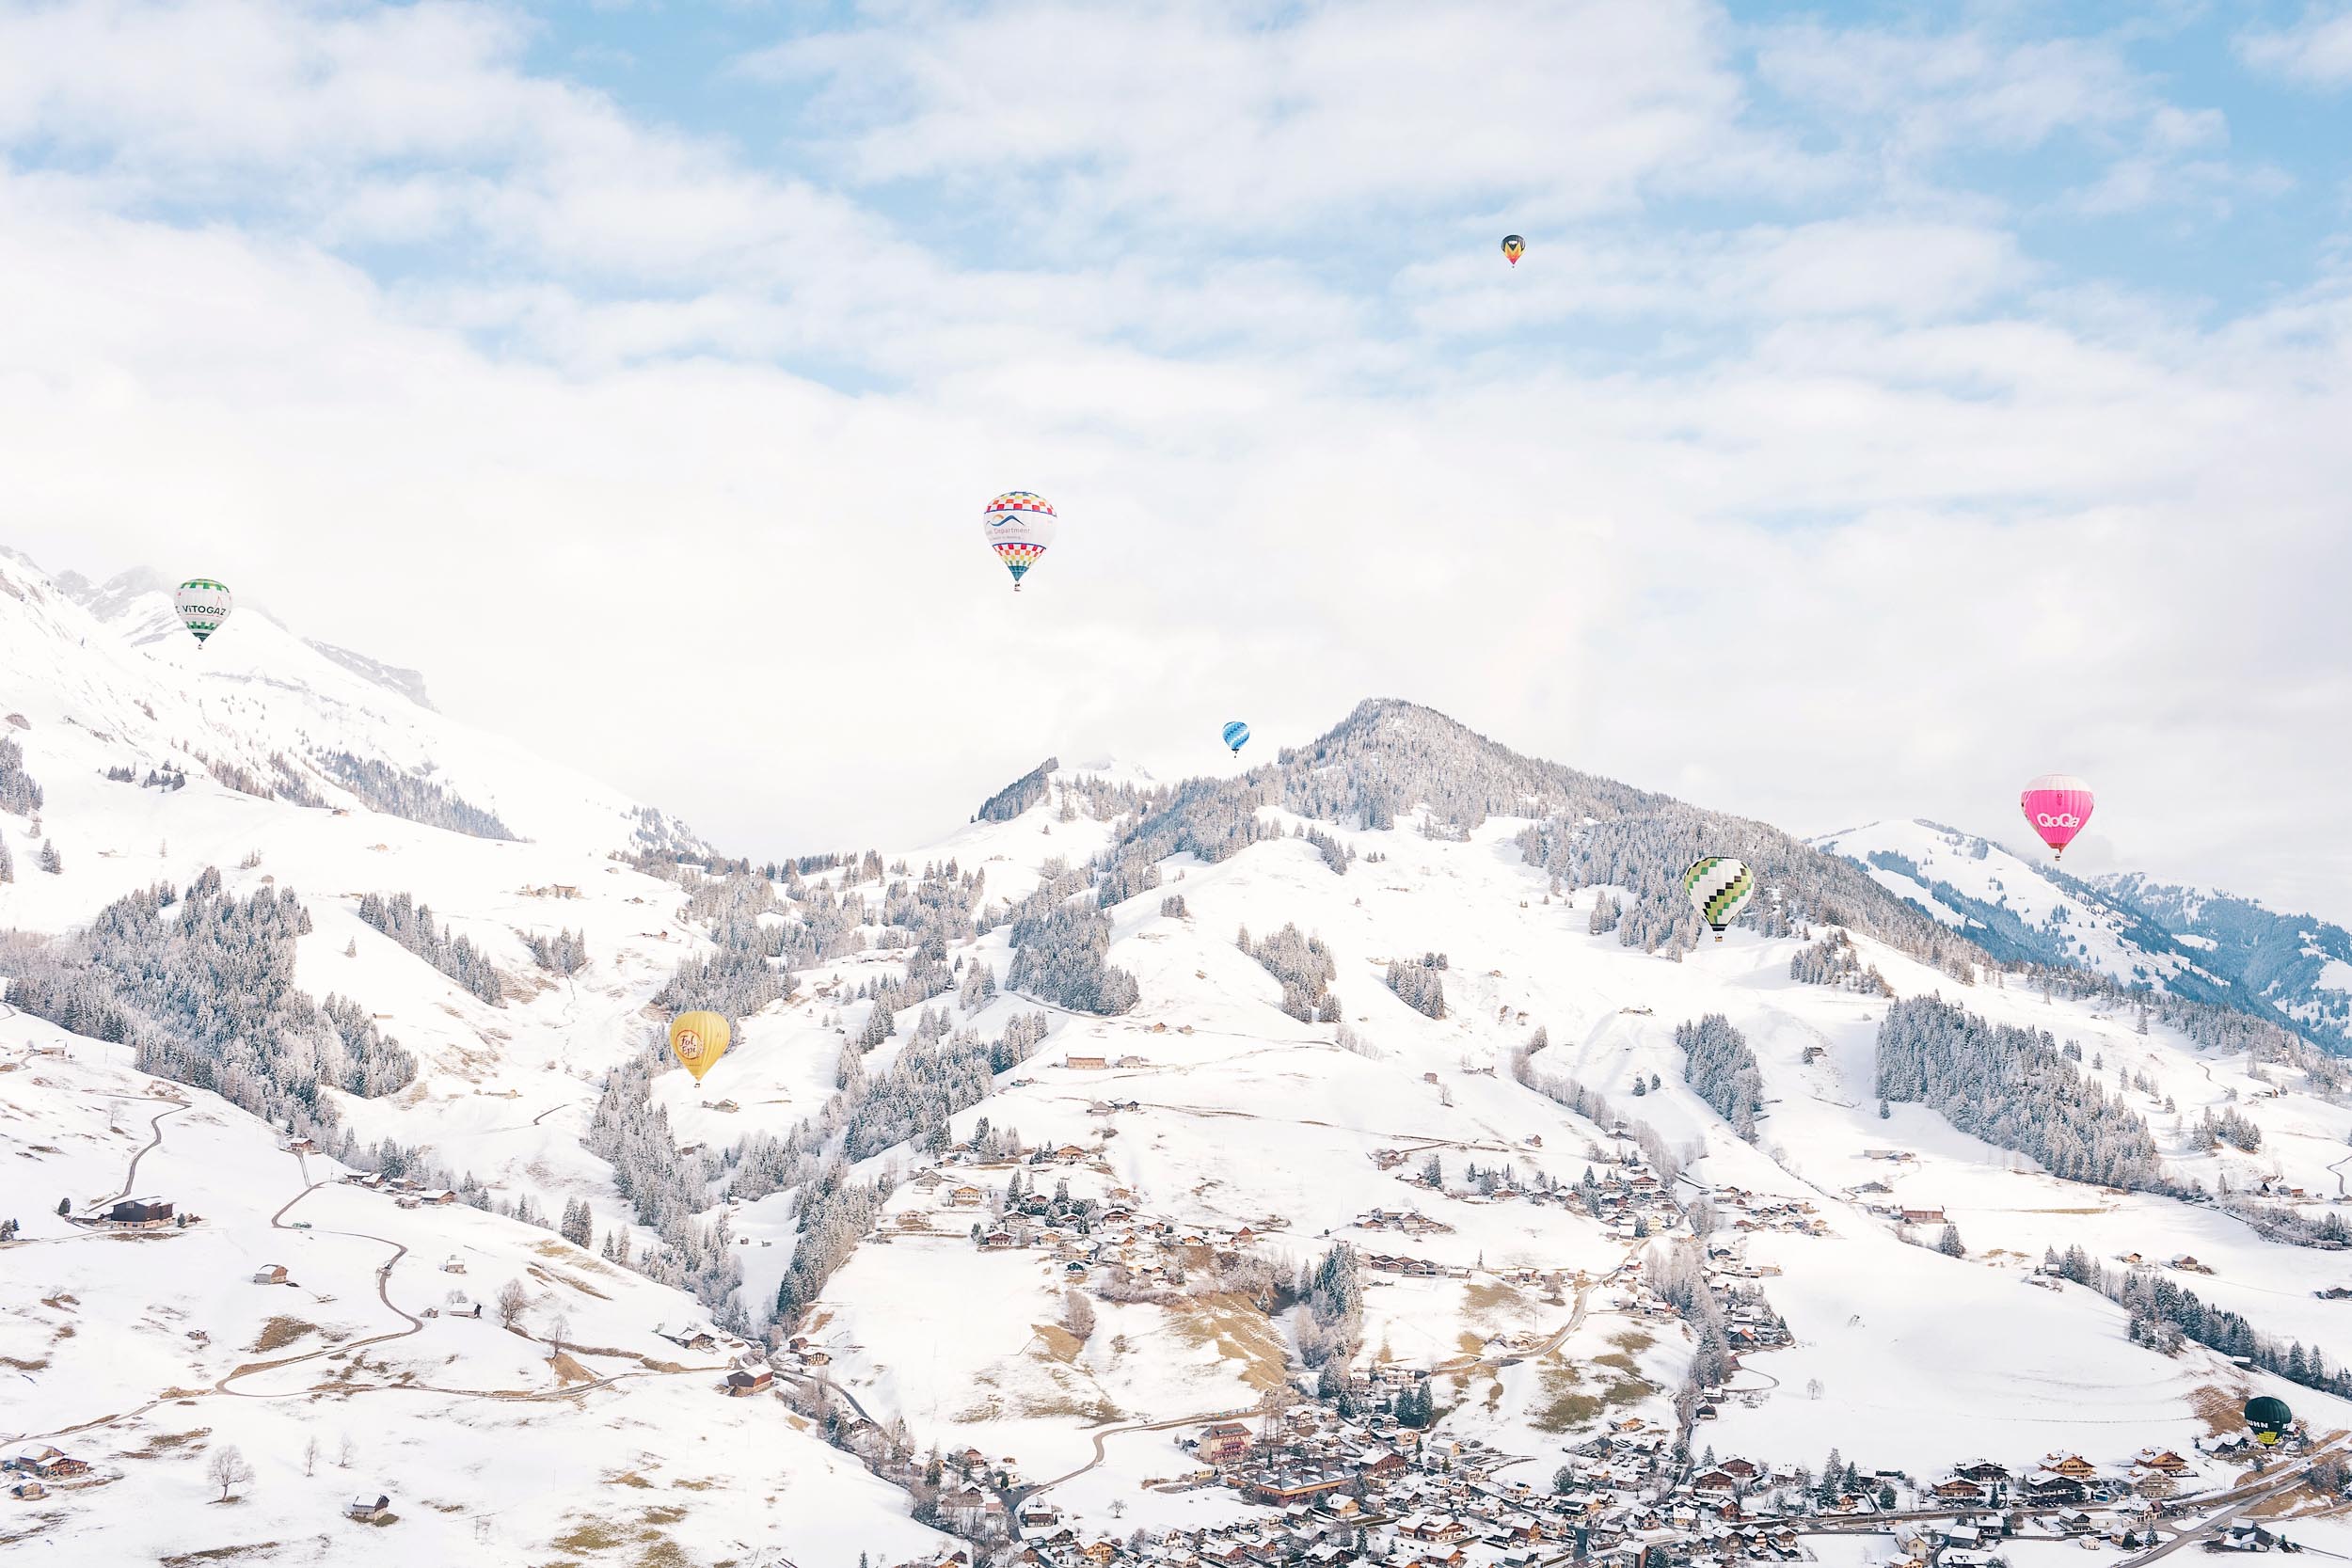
1237,736
1720,887
203,605
2268,1417
2058,806
1018,525
1513,249
698,1041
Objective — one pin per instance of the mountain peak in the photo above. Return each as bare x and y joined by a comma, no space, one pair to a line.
408,682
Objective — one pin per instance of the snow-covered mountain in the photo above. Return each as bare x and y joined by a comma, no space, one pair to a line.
1394,1075
2294,969
147,1353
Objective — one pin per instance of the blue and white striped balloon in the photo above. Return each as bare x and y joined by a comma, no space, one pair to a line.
1237,736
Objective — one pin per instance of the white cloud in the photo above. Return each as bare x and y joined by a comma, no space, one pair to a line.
1261,116
2316,52
1890,512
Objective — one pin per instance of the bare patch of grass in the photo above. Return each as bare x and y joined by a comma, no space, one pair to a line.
1238,1330
627,1478
2220,1410
1098,1410
589,1535
554,1276
568,1371
221,1553
1058,1342
1633,1342
279,1333
1562,1406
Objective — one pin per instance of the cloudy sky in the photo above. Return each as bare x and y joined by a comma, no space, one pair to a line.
1895,402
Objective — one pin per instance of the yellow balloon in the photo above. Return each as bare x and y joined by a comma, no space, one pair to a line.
698,1041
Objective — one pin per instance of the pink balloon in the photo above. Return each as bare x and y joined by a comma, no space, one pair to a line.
2058,806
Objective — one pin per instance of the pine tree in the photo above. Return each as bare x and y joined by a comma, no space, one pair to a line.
50,861
1949,1242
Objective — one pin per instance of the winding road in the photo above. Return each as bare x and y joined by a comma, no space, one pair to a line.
155,1127
383,1293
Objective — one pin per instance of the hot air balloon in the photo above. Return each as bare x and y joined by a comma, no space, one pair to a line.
1513,249
1721,887
203,605
698,1041
2269,1417
1018,526
1237,736
2059,805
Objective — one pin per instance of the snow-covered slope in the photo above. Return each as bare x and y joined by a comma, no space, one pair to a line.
1025,1154
2211,947
1215,1113
2297,963
147,1355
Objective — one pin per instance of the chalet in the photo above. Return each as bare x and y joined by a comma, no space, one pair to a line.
1923,1216
746,1381
44,1462
1224,1443
368,1510
2188,1265
29,1491
1714,1486
1085,1064
1282,1487
2163,1461
1984,1471
2049,1486
965,1197
1069,1154
452,1264
2072,1465
996,1240
138,1210
1958,1490
301,1146
270,1274
1133,1061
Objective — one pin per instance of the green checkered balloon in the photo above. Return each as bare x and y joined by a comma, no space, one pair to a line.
1721,888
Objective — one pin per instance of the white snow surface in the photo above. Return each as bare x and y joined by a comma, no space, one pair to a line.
1233,1116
